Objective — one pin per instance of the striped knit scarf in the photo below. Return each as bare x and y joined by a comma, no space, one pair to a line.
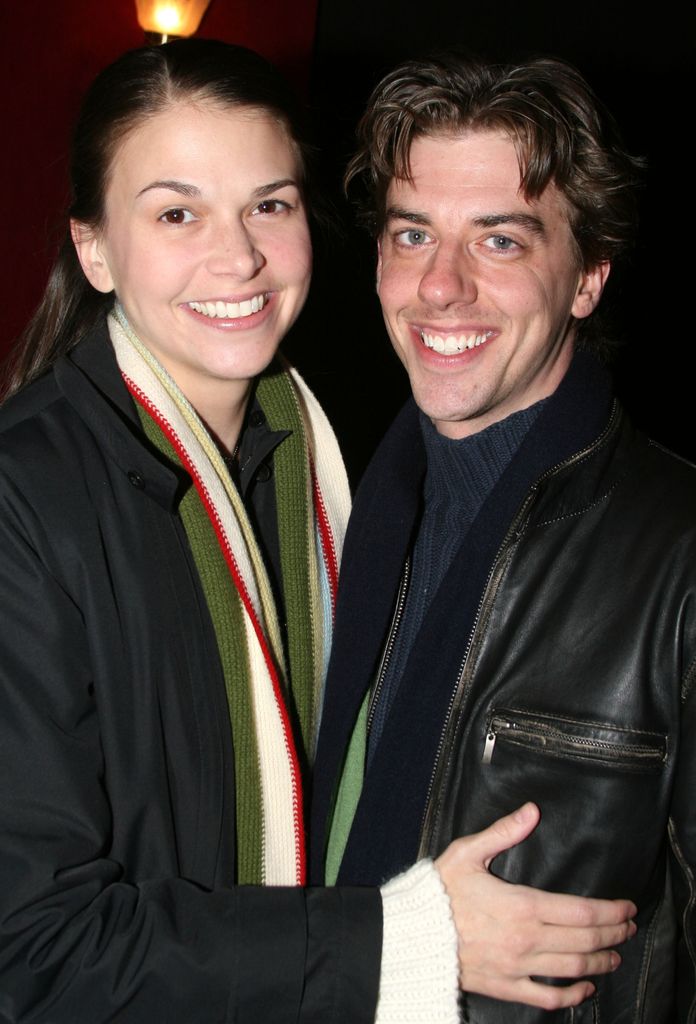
282,825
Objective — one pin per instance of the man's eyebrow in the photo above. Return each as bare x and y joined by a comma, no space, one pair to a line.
520,220
411,216
489,220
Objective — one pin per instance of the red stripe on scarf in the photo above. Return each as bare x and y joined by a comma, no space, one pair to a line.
327,541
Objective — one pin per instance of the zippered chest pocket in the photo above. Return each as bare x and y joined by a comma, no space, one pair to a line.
576,739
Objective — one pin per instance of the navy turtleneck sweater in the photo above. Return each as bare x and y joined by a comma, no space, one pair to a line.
459,477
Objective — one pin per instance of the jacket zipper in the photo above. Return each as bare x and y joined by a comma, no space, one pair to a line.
459,691
391,640
457,696
558,739
491,736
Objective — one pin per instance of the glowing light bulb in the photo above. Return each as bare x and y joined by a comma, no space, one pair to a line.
171,17
168,18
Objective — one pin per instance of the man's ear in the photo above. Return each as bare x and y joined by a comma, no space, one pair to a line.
89,253
590,290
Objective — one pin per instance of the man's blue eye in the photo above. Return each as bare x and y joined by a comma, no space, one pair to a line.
413,236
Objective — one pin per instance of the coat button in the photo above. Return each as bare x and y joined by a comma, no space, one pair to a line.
257,418
136,479
263,473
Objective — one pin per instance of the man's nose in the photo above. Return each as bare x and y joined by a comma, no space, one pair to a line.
233,252
448,279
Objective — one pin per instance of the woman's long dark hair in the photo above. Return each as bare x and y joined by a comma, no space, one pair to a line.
136,86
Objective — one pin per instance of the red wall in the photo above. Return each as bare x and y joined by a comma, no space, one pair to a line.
50,53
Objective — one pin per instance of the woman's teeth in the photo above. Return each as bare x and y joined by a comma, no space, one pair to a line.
230,310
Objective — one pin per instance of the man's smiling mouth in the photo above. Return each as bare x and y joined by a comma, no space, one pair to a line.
450,344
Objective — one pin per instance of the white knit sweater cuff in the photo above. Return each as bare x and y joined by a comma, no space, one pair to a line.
419,980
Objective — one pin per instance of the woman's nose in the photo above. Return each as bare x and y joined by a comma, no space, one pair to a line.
234,253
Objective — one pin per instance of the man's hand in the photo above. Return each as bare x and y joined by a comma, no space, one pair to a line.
509,933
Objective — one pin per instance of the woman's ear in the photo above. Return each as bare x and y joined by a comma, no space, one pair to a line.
92,259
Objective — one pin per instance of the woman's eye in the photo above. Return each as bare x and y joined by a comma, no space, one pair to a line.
177,216
413,237
272,206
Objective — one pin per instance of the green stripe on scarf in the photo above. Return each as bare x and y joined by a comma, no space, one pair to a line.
225,607
296,532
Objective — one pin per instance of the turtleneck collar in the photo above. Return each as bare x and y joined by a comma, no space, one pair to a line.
463,471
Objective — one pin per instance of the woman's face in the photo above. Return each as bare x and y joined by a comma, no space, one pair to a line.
205,243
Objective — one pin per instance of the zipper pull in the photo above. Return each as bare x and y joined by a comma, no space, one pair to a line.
490,744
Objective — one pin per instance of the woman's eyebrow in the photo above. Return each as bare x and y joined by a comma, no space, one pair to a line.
193,192
180,187
266,190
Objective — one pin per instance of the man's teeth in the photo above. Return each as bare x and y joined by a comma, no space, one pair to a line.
454,342
230,310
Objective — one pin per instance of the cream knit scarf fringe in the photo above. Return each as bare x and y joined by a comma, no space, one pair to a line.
283,855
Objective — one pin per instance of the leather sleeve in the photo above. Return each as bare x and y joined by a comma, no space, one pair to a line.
682,839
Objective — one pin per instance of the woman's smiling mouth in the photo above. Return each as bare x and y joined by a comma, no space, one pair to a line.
229,310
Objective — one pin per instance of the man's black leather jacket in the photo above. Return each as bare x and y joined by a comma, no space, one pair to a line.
576,691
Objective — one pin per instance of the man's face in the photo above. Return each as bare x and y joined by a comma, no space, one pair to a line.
479,287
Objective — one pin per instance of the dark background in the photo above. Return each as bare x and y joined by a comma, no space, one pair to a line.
335,53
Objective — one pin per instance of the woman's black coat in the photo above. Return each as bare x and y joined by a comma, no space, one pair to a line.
116,763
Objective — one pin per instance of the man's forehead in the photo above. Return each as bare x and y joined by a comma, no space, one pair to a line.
481,163
465,156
